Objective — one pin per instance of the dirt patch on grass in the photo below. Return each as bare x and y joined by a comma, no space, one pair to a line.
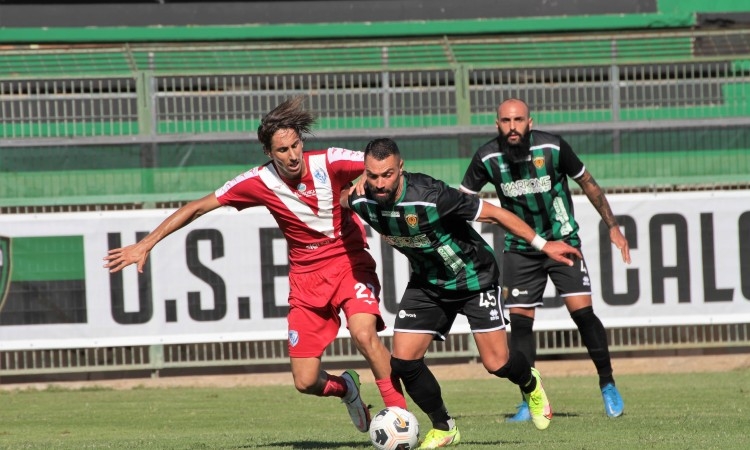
468,370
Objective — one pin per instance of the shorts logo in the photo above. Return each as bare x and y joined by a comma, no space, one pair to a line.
539,162
402,314
494,315
293,338
586,281
516,293
411,220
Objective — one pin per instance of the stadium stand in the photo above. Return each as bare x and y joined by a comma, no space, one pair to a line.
653,102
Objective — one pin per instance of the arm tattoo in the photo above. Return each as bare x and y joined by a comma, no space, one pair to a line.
597,198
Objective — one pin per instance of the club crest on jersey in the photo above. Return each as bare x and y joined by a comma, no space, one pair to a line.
302,187
539,162
320,175
411,220
293,338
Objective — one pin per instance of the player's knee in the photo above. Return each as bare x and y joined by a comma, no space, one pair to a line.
406,369
366,340
363,335
495,361
584,316
521,323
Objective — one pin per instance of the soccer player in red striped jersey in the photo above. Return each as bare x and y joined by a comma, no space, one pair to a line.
330,269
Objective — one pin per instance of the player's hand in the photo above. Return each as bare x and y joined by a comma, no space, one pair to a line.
561,252
346,191
617,238
119,258
359,187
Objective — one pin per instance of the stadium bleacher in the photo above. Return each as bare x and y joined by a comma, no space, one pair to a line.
149,117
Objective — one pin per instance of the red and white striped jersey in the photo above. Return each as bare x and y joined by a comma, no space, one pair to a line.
308,212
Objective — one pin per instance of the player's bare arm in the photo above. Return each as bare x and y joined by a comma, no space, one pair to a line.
119,258
357,188
597,198
556,250
346,191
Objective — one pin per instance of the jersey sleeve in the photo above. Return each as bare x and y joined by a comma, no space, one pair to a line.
358,204
240,192
346,164
452,202
570,164
475,176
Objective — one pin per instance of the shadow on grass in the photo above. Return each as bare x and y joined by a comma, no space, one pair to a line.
304,445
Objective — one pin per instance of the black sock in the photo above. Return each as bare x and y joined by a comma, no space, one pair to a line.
594,337
522,337
423,388
518,371
440,418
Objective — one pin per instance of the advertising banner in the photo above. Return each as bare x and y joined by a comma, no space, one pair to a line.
224,277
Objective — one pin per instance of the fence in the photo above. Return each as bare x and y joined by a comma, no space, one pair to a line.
156,358
126,124
134,126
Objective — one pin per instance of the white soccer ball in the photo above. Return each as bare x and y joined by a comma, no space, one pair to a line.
394,428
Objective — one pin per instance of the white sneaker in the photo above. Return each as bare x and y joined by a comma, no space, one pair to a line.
358,411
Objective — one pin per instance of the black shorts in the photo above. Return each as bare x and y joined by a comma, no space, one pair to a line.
425,310
525,278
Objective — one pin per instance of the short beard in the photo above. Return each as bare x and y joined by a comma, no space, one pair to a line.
384,202
516,153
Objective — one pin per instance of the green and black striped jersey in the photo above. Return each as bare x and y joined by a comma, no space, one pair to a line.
429,224
535,190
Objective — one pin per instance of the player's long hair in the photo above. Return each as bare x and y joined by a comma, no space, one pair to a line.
288,115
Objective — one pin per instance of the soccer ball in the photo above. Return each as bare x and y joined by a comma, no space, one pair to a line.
394,428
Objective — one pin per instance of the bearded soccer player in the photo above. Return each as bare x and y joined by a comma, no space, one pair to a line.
330,269
530,170
453,271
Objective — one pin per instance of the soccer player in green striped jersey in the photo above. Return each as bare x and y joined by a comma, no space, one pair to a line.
530,170
453,271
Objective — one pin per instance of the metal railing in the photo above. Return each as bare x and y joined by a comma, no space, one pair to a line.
645,110
124,124
155,358
166,93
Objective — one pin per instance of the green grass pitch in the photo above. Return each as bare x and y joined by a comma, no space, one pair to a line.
664,411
